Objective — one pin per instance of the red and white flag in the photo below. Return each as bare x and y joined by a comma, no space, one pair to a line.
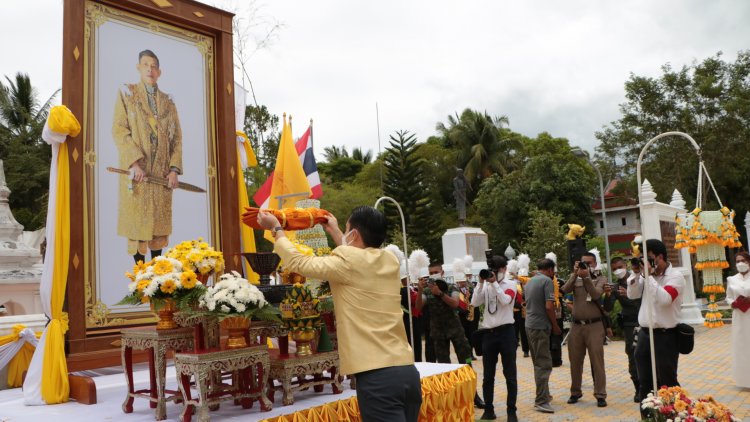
307,158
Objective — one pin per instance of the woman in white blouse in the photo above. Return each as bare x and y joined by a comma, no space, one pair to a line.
738,297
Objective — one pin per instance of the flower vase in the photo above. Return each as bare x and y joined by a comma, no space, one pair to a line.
237,327
302,339
165,314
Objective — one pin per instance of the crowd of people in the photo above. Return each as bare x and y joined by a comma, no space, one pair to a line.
529,311
492,313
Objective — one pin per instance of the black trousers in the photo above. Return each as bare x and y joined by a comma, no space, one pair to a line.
667,354
500,341
417,346
520,323
630,351
392,394
429,346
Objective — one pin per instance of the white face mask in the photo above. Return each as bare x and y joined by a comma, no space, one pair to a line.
434,276
501,276
345,238
742,267
620,273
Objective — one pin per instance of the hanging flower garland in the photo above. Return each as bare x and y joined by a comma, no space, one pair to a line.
706,234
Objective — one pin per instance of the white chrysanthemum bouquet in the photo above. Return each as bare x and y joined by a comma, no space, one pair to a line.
234,296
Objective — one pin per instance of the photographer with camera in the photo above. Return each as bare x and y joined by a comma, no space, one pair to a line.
628,318
588,329
441,300
498,295
665,285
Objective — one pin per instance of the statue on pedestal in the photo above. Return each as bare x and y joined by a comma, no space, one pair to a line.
460,185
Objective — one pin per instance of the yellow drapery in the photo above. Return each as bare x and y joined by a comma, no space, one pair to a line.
55,388
20,362
246,232
446,397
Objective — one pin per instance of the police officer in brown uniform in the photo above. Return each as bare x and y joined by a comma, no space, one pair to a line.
587,332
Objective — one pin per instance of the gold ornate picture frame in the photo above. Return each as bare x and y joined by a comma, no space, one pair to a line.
178,26
100,314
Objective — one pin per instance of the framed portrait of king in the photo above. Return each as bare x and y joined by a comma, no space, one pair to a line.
150,170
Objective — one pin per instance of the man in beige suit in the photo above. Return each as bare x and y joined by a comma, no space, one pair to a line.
146,130
365,284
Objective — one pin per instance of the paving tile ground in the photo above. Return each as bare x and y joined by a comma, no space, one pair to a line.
705,371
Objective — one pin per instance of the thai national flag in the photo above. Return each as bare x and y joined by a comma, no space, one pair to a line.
306,156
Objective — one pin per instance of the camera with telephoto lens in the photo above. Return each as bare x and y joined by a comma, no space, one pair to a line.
485,274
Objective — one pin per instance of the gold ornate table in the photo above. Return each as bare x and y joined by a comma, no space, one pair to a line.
157,342
250,366
286,367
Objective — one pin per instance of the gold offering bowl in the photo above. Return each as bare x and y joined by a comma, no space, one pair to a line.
303,338
237,328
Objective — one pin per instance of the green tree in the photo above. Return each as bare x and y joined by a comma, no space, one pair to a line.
551,179
709,100
340,170
404,182
262,128
483,149
26,156
333,153
364,157
546,234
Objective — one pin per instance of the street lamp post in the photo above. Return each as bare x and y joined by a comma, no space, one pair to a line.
583,154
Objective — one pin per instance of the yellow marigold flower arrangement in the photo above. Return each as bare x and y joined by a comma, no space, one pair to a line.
197,256
160,279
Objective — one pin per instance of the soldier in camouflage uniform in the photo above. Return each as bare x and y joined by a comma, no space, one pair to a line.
445,326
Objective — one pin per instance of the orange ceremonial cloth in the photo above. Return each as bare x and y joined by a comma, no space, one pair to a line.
290,218
446,397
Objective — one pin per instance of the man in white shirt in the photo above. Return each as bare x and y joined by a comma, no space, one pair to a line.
663,294
498,294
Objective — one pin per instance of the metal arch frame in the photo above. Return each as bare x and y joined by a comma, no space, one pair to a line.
406,263
643,231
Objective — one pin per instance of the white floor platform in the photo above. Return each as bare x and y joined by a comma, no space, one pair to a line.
111,394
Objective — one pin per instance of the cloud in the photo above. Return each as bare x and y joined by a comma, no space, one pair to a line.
549,66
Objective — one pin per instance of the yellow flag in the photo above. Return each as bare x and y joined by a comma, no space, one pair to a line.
288,176
246,232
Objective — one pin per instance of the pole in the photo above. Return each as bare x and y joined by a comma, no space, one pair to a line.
646,268
377,120
406,253
604,219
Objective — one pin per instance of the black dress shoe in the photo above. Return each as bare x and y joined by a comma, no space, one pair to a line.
574,399
601,403
488,415
525,354
478,402
637,398
512,417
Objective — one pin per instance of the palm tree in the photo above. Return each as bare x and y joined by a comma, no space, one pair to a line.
333,153
365,158
482,148
26,157
21,115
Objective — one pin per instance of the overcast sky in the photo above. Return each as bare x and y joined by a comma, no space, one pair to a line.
556,66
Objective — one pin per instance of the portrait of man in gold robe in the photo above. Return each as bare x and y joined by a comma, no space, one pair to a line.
146,131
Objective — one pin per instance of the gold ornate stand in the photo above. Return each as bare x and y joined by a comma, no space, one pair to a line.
206,329
157,342
250,366
285,368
